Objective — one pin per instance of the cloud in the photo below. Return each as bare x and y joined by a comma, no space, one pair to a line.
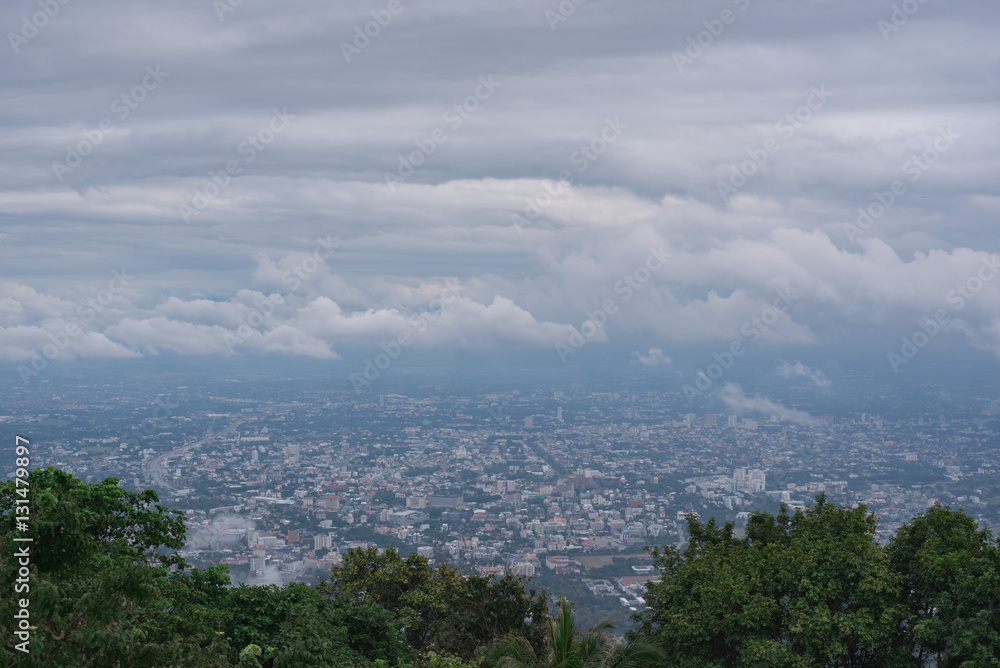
221,528
654,357
656,184
787,370
733,396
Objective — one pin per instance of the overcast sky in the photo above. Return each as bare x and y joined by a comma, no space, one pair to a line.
486,174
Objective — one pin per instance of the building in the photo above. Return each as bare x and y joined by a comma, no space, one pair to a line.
330,502
407,517
416,502
322,542
453,502
523,568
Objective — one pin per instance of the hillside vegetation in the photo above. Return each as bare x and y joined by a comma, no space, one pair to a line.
107,588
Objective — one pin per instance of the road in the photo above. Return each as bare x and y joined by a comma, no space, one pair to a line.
153,468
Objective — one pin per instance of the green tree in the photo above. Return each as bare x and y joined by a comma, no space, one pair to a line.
99,559
440,609
810,589
951,588
566,647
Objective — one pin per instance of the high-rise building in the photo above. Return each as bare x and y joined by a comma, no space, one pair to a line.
731,421
559,414
529,423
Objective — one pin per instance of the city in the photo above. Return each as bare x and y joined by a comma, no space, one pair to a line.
566,487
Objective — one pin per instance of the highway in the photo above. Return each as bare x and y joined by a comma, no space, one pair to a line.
153,468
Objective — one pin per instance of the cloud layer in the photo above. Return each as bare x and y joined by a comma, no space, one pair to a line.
267,181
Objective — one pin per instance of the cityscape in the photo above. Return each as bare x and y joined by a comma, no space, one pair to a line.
565,487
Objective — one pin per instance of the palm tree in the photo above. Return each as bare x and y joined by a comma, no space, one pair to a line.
567,647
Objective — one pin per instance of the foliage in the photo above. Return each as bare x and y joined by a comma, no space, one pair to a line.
440,609
951,588
816,589
813,588
566,647
97,567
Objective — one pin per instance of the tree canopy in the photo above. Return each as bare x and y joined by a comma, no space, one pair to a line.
816,588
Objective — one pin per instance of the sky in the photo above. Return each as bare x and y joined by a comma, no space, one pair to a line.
302,179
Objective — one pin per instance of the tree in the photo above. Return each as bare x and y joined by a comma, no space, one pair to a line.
809,589
99,557
566,647
951,588
440,609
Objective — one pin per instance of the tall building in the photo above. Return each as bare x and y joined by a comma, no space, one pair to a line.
559,413
731,421
529,423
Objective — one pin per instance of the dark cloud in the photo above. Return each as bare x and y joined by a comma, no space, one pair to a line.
519,194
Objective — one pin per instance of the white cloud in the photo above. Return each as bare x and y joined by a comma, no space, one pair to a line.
788,370
733,396
654,357
655,185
